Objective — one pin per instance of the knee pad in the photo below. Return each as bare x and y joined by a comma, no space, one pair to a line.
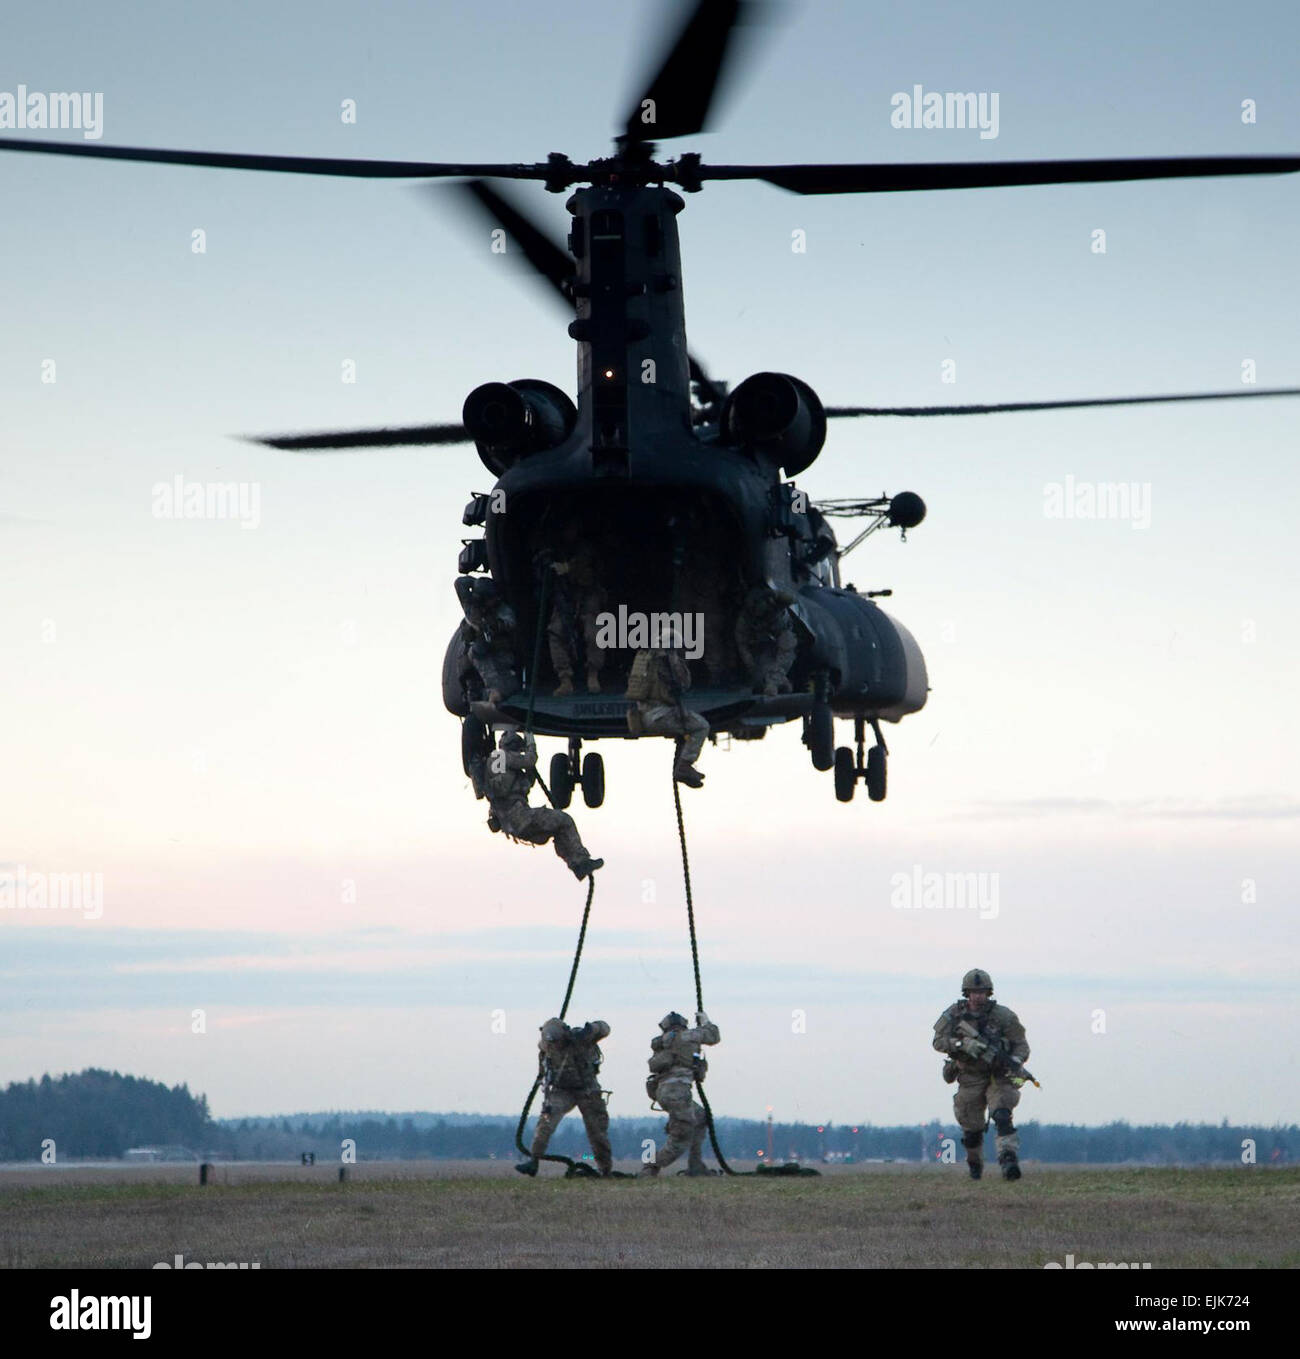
1002,1120
972,1139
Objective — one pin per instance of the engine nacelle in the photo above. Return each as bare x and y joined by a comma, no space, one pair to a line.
780,416
509,420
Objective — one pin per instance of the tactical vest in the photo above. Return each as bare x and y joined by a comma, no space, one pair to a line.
572,1065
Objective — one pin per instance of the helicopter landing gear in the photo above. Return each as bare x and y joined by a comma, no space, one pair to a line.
846,774
867,765
819,735
568,772
561,780
593,779
475,747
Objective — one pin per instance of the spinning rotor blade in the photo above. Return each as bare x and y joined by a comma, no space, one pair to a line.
810,179
551,260
834,412
295,165
687,80
408,437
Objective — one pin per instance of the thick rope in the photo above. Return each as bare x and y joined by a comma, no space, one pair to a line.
695,963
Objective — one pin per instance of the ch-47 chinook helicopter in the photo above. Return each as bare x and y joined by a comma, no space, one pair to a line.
667,478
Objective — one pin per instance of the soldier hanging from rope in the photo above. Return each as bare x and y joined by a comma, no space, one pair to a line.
570,1062
511,772
655,685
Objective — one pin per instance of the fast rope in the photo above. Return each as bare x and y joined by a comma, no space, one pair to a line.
695,963
574,1168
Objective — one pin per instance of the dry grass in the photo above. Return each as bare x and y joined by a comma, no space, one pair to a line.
472,1214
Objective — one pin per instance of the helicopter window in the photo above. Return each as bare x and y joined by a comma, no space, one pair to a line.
607,225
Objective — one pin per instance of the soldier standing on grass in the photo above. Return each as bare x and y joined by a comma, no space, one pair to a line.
986,1049
570,1059
675,1061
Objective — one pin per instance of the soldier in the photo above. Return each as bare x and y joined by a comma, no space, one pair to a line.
706,590
578,600
489,630
674,1064
570,1061
765,639
511,769
655,686
985,1044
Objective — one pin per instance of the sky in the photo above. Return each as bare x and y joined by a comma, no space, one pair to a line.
236,727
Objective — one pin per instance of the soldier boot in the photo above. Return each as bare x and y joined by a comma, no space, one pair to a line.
1008,1144
974,1144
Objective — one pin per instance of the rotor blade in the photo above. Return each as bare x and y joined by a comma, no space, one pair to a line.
296,165
834,412
409,436
677,100
810,179
551,260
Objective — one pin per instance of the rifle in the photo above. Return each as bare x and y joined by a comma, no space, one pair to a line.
995,1052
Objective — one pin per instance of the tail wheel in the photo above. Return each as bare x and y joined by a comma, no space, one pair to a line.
475,744
846,774
561,780
876,773
593,779
821,735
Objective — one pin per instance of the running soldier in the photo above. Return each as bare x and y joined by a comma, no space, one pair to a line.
511,771
986,1049
675,1062
570,1062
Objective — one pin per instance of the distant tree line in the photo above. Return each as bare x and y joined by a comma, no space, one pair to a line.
99,1114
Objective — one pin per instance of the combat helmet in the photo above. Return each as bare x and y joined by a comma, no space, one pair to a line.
512,740
554,1030
672,1020
976,980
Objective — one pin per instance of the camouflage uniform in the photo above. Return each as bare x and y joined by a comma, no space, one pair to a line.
704,591
674,1063
511,770
765,639
981,1083
579,599
655,686
489,633
571,1065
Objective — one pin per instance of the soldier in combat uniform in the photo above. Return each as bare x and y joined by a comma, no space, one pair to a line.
765,639
984,1077
489,635
675,1061
570,1061
579,599
511,771
655,685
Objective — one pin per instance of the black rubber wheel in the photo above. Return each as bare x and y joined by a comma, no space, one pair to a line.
821,736
561,780
846,774
876,773
593,779
475,744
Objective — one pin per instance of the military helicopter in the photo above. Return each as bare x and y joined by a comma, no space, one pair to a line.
679,489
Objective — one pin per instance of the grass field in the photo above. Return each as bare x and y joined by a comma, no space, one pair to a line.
472,1214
